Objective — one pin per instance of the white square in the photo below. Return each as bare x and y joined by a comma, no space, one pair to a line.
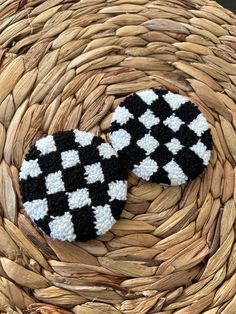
103,219
148,96
122,115
30,168
106,151
54,183
199,125
175,100
62,228
174,146
146,168
120,139
117,190
46,145
83,138
173,122
202,152
148,119
175,173
79,198
70,158
94,173
36,209
148,143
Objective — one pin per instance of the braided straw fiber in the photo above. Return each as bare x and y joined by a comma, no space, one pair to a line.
67,64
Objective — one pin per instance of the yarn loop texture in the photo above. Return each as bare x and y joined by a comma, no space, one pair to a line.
73,185
161,137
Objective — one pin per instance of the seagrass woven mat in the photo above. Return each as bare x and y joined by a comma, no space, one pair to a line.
68,64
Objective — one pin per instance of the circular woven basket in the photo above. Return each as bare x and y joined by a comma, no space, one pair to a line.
67,64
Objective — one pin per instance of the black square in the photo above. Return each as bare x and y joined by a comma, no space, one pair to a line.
186,136
97,141
74,178
50,163
113,170
33,153
206,139
135,105
33,188
187,112
115,126
161,155
57,204
98,192
116,208
43,224
136,129
161,109
88,155
160,92
131,156
161,176
190,163
162,133
64,143
84,224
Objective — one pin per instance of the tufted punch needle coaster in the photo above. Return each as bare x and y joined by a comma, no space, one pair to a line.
161,136
73,186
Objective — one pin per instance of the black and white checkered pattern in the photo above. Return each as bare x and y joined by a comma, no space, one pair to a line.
161,137
73,186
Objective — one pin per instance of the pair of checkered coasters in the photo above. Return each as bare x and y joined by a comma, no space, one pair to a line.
74,184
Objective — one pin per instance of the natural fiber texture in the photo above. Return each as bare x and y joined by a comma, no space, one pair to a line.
67,64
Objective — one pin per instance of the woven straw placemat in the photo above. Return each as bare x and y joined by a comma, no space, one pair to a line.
66,64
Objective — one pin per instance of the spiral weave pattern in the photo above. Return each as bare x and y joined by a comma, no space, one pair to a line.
67,64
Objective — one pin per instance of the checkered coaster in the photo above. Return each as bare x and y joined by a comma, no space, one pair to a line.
73,186
161,137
